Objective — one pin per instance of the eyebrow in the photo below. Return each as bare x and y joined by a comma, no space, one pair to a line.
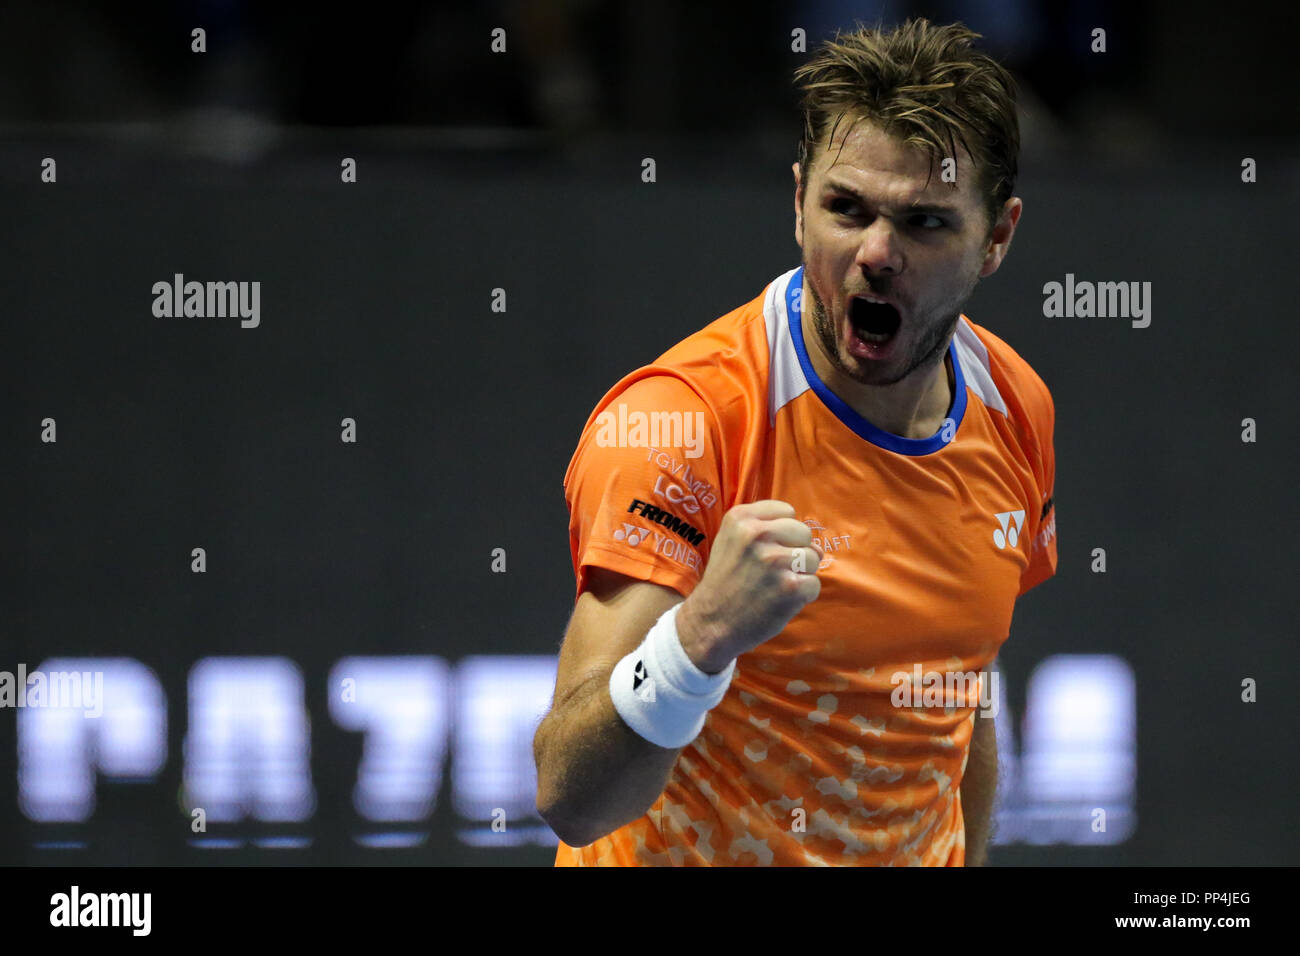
927,209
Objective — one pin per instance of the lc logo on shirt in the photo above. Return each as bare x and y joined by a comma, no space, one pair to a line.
675,494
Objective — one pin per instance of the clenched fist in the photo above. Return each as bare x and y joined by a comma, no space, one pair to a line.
762,570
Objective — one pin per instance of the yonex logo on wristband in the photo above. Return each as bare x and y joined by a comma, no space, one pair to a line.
640,678
660,693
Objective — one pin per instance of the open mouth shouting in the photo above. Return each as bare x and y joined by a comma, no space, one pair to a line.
874,322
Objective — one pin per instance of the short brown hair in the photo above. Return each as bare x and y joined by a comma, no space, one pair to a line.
924,84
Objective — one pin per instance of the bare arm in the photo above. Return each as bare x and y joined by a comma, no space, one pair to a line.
594,773
978,788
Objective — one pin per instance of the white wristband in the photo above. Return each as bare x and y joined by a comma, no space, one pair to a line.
658,690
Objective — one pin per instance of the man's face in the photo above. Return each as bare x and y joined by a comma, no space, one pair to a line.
868,226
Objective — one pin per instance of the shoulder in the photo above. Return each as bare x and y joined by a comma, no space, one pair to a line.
720,372
726,362
1011,384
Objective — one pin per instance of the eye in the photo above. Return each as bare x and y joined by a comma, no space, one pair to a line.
837,205
927,221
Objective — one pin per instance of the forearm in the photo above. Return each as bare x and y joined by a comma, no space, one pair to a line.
594,773
978,789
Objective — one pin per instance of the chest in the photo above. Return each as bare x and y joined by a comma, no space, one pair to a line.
923,556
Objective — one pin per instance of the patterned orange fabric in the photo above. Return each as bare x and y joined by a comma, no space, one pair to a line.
928,543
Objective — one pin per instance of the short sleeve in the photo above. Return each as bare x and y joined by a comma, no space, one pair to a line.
1042,548
643,489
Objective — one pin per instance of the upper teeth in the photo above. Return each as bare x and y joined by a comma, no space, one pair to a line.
873,300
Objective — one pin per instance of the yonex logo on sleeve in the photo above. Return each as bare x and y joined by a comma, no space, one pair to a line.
631,534
1008,534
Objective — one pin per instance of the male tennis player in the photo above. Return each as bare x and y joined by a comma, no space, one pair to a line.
847,481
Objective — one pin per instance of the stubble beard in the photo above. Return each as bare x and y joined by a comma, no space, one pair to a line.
927,351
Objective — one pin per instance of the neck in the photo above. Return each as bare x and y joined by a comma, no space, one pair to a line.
912,408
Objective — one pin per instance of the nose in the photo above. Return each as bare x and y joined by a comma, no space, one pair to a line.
880,252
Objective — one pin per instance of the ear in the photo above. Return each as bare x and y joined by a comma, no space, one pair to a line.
798,205
1000,238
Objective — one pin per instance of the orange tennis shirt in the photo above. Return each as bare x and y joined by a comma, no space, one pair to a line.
928,542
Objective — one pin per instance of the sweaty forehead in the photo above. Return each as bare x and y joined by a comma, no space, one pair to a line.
870,161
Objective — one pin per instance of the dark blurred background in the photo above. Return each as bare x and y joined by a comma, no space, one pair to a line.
366,567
